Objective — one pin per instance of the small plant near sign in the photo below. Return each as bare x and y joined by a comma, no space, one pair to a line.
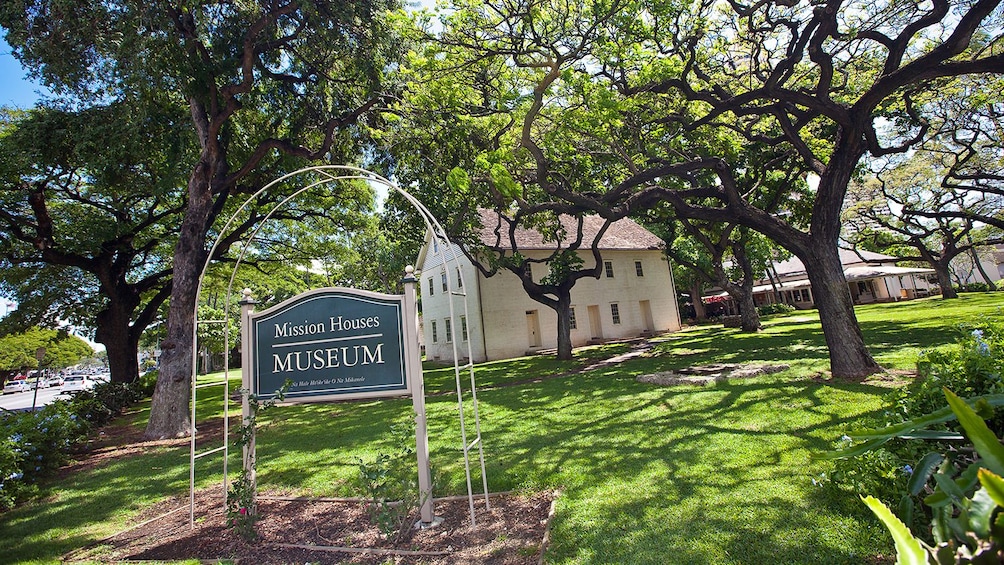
390,483
242,512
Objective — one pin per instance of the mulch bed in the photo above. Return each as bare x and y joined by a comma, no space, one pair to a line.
513,532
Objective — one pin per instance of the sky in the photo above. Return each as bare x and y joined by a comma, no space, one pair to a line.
15,87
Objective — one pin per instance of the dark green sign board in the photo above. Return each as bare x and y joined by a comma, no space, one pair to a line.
332,343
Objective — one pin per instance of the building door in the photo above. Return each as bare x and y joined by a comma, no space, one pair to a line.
595,325
646,315
533,328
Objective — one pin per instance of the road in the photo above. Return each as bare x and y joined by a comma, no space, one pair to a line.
22,400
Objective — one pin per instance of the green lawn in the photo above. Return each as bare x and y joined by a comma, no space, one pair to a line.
648,474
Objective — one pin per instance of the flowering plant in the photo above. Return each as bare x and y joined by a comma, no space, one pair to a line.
242,510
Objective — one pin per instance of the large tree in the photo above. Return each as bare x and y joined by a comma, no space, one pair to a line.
631,107
911,210
500,245
267,85
19,351
86,226
831,82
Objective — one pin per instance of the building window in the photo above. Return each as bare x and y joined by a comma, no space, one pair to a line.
638,270
615,313
442,277
571,318
449,330
463,327
432,289
435,245
460,280
609,268
435,336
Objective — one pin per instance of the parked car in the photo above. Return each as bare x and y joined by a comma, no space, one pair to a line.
76,382
19,385
54,380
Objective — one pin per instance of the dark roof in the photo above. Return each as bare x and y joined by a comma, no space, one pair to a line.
623,234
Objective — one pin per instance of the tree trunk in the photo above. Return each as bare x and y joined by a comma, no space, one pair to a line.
944,279
748,314
849,357
695,298
742,293
169,416
564,324
115,331
979,267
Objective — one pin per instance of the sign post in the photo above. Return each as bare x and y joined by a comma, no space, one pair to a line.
248,452
418,400
39,354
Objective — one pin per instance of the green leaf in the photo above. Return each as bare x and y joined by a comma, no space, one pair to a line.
853,451
939,524
949,487
981,510
923,472
939,416
503,181
909,550
937,435
993,484
985,442
458,180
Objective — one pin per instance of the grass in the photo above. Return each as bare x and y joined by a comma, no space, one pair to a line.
721,474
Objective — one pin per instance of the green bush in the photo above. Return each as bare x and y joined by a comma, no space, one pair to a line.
776,308
963,497
973,366
973,287
146,383
34,445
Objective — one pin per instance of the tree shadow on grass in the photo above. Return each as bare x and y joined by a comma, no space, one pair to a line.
655,452
81,507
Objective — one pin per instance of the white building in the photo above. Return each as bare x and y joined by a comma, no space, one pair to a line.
871,277
634,296
965,270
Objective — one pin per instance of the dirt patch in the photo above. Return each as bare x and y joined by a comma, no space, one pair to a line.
511,532
708,374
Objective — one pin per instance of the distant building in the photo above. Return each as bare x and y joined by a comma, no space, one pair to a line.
964,269
634,295
871,277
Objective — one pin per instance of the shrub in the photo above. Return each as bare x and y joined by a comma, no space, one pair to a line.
887,468
146,383
34,444
971,367
963,496
390,483
973,287
776,308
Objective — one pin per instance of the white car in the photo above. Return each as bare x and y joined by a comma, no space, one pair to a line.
76,382
19,385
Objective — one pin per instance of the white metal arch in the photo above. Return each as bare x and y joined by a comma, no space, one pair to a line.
329,174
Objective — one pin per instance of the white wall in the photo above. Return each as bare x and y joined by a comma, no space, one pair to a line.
463,292
505,306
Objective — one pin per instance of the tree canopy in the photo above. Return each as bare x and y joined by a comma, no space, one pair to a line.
19,352
267,87
722,110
